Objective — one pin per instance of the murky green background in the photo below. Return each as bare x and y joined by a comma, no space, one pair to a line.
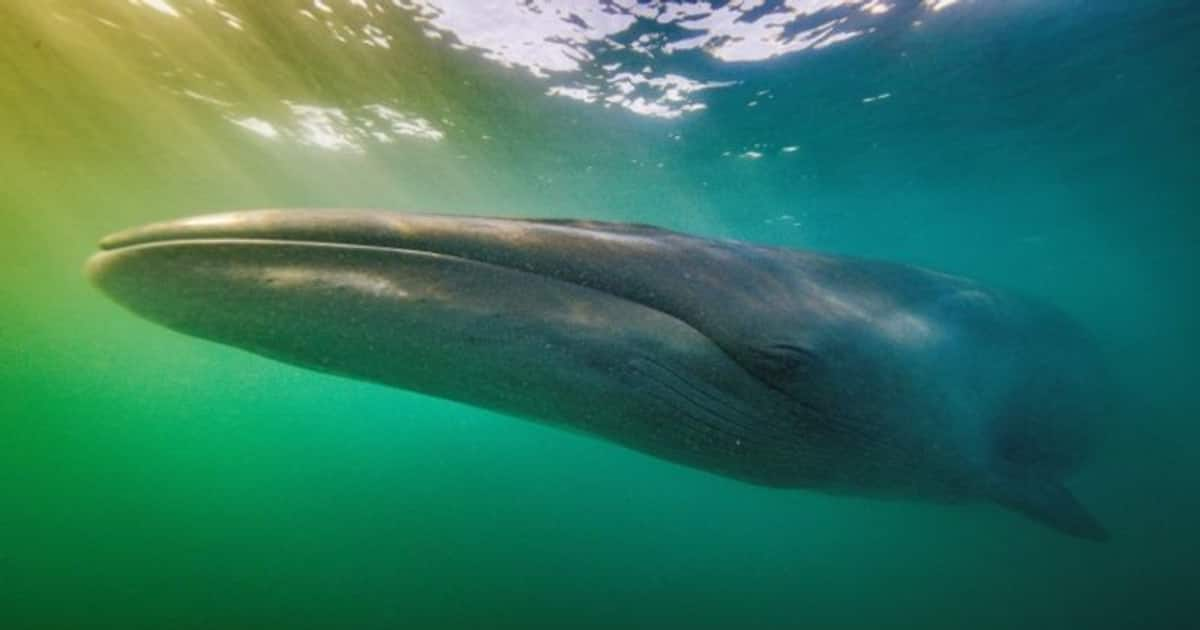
152,480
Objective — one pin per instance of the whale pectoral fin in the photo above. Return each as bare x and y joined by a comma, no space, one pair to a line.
1048,502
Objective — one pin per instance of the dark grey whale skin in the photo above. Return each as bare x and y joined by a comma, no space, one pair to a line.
775,366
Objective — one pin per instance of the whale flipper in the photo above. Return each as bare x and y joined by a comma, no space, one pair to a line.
1049,502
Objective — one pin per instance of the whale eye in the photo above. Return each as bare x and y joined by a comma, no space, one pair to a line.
781,364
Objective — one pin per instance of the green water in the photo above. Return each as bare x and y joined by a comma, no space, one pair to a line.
152,480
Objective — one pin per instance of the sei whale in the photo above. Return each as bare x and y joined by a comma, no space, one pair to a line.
775,366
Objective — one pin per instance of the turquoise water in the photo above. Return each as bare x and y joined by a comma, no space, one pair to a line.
152,480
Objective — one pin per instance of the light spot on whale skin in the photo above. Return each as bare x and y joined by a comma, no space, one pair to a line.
213,220
904,327
291,276
888,319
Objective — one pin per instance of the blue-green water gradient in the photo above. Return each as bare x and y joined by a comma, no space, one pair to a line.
150,480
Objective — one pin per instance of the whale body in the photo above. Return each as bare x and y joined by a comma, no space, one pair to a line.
779,367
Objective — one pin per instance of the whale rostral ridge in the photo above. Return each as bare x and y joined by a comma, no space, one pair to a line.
775,366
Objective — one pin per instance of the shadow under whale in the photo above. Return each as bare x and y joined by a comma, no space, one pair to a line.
774,366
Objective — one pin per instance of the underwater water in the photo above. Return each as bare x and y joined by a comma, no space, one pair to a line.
151,480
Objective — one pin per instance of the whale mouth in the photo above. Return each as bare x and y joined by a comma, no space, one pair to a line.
616,261
463,236
537,250
546,247
318,226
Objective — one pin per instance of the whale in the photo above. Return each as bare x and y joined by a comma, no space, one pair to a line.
778,367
